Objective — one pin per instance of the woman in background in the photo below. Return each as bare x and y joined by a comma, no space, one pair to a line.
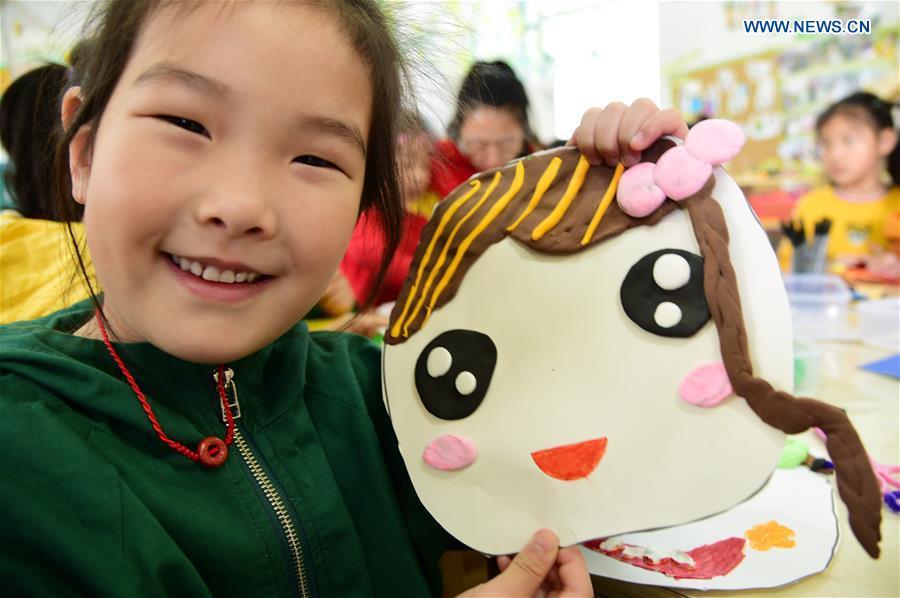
489,129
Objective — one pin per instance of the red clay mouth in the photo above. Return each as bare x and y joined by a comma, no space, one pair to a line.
572,461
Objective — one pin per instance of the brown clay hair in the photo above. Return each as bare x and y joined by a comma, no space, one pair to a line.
112,30
856,481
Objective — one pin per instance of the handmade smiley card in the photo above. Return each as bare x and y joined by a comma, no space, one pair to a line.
601,351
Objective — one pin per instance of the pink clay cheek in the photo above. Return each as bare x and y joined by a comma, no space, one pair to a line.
450,452
706,386
679,175
638,195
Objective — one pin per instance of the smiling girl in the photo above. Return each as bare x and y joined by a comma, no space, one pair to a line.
181,433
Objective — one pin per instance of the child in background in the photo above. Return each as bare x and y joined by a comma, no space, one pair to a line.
336,310
223,152
29,121
360,263
856,137
37,276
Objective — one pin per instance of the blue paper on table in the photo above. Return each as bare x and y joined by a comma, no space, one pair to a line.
890,366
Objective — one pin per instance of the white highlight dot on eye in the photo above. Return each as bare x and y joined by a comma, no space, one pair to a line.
439,362
667,314
466,383
671,271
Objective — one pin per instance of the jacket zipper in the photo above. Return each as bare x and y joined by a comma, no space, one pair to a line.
269,490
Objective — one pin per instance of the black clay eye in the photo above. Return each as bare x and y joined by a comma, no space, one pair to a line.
454,371
663,293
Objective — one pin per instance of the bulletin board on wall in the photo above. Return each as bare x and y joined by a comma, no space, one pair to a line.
745,91
776,96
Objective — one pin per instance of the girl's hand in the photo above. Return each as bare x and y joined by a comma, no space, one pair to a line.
541,569
619,133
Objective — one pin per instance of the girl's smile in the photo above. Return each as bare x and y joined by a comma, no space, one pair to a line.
225,282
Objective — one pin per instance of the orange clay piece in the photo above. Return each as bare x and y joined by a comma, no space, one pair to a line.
571,462
770,535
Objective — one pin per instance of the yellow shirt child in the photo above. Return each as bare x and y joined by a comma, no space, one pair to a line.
855,225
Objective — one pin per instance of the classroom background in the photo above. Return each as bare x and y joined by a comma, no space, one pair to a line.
696,57
573,54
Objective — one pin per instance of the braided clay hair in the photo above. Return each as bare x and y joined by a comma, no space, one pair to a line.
856,482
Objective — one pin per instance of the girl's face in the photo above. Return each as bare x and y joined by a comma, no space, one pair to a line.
226,176
851,150
490,137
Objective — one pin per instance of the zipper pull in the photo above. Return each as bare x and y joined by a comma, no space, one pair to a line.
233,405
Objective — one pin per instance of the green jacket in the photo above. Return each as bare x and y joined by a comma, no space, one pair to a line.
93,503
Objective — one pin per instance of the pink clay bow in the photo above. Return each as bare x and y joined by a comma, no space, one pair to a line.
682,170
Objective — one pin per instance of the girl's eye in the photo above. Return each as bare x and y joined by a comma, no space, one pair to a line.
453,373
315,161
663,293
186,124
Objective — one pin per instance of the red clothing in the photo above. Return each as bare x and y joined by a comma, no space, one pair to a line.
363,258
449,168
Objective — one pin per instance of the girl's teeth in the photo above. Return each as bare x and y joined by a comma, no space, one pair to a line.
212,273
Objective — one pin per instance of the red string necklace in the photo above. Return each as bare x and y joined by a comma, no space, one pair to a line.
211,451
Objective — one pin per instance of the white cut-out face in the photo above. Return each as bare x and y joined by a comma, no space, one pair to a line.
535,352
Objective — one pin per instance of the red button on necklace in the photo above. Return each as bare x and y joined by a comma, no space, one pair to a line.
211,451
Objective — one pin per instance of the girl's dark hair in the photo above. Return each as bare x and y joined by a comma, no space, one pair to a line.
113,28
29,128
873,110
491,84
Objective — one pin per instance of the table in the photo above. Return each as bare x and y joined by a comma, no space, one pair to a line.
873,403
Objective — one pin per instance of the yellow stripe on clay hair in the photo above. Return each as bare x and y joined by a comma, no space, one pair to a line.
443,257
476,185
560,210
495,210
543,184
604,204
